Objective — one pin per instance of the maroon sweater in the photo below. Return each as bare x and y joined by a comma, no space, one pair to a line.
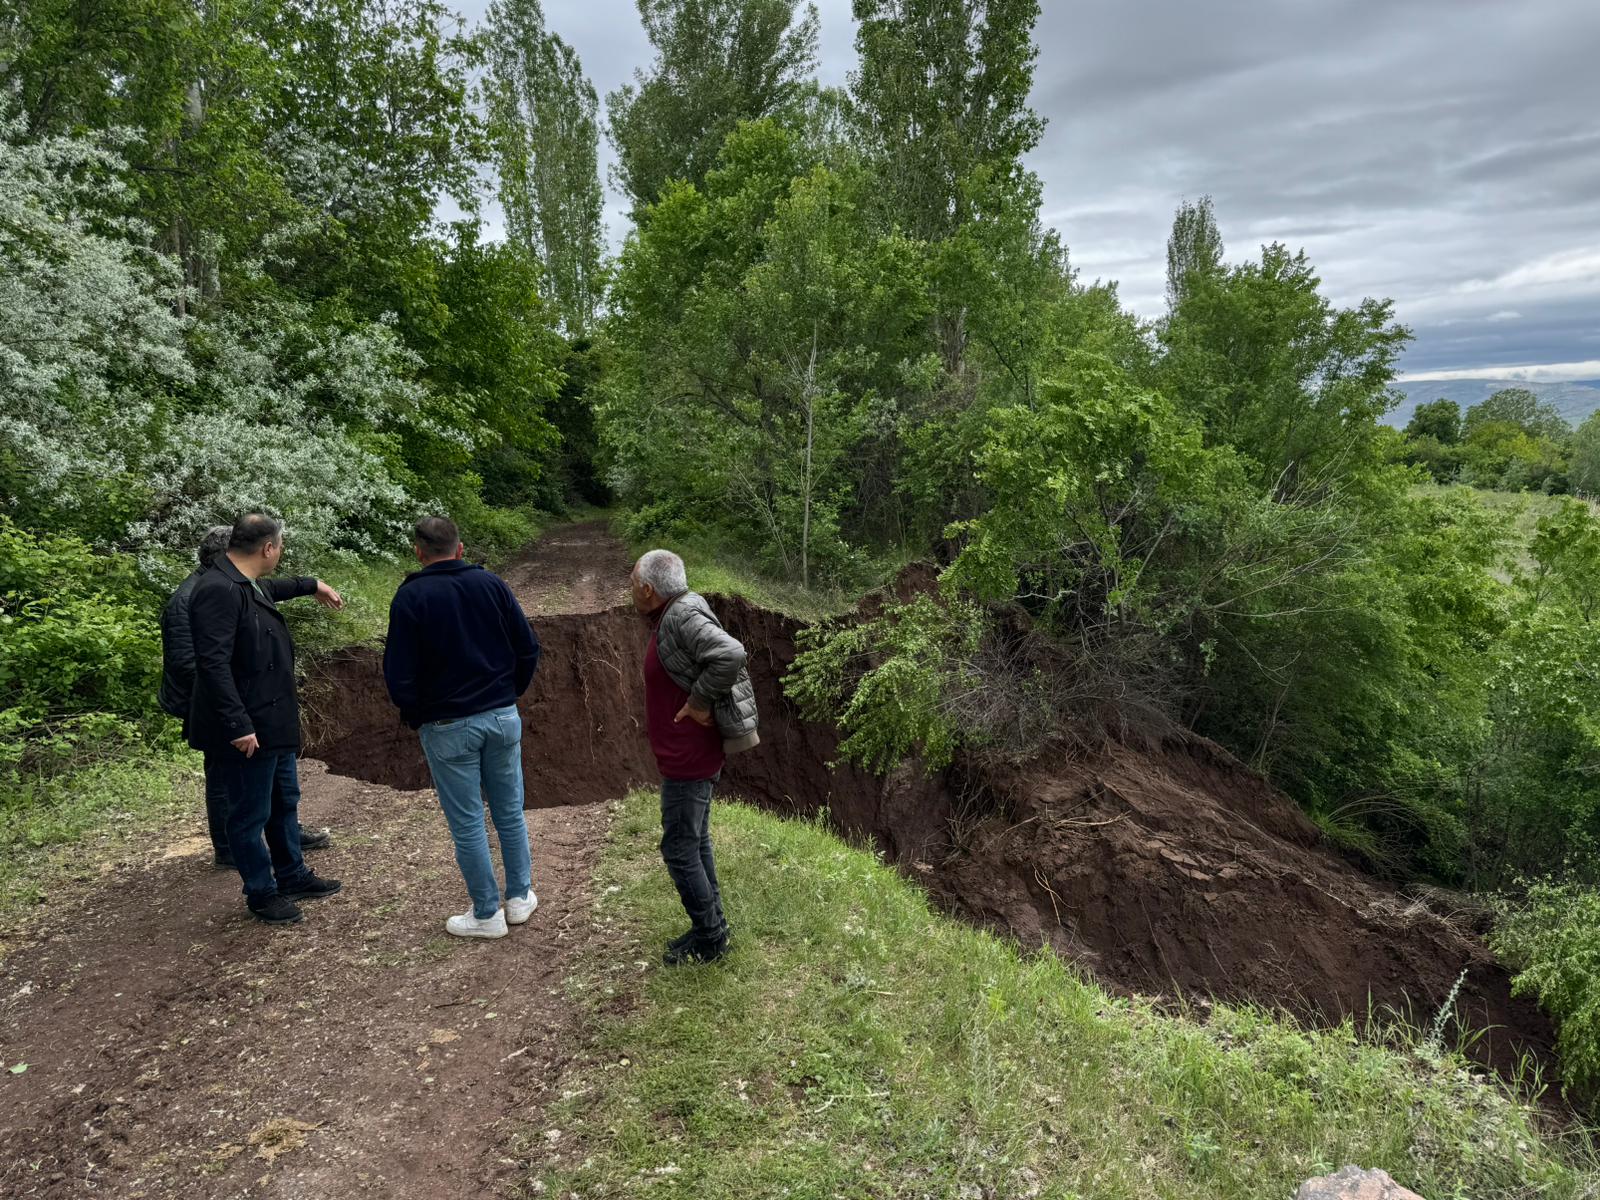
686,749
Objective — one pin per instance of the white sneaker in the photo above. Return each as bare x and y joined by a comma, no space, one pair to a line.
520,908
467,925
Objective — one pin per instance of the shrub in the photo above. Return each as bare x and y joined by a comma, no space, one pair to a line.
80,638
1553,938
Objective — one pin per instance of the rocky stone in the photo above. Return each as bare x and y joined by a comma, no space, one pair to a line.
1352,1183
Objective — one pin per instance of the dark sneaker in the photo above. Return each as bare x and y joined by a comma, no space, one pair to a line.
312,887
276,910
222,861
688,935
695,951
314,839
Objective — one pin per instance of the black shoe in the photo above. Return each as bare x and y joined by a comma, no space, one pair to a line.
276,910
223,861
312,887
684,938
314,839
695,951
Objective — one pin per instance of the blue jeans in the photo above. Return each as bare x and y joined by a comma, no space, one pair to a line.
263,799
686,849
474,759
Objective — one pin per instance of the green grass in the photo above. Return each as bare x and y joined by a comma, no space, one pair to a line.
367,587
717,569
58,831
856,1044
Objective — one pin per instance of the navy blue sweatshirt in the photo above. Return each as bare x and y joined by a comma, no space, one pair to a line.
458,644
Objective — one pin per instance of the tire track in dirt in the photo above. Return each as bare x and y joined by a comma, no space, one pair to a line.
177,1047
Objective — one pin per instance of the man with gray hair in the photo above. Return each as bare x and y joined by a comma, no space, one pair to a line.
699,707
177,687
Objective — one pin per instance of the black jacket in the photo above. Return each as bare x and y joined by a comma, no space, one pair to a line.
458,644
177,649
244,661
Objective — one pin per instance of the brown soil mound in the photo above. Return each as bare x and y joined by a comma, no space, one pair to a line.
1173,870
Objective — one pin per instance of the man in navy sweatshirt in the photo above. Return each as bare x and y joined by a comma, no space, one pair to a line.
459,653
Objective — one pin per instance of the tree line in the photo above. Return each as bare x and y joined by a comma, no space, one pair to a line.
1512,441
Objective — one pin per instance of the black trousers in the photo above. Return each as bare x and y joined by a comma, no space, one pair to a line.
216,805
686,849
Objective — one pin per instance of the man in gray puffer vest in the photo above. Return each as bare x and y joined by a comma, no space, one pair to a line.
699,707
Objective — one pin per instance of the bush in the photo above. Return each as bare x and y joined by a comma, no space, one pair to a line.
80,638
494,535
1553,938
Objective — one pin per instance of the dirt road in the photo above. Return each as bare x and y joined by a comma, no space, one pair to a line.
176,1047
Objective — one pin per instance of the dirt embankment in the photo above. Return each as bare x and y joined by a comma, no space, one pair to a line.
1177,869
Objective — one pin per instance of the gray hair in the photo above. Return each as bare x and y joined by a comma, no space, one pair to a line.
663,571
214,543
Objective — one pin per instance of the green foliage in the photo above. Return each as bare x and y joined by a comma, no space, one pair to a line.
1566,554
941,93
1194,247
80,655
1552,938
718,63
542,117
1519,407
754,323
856,1043
895,682
1437,419
1271,368
1584,468
58,829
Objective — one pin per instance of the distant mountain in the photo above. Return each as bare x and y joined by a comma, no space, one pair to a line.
1574,400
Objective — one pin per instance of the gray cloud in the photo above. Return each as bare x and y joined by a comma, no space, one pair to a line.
1440,152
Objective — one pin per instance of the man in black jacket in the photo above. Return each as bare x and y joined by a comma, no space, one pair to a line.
244,711
459,653
177,681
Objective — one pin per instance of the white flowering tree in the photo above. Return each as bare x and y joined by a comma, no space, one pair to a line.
86,312
138,427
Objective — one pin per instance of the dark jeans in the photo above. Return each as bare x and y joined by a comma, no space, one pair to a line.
263,799
686,849
216,804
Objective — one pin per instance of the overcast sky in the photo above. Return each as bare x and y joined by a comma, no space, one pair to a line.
1445,153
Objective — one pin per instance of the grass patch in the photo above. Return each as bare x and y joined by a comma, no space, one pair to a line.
857,1044
717,569
59,831
367,585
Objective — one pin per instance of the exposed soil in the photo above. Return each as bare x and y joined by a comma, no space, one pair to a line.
1166,871
572,569
164,1028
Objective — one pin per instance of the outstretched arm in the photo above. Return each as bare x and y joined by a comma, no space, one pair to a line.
302,585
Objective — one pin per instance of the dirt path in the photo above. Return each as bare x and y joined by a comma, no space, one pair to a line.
176,1047
573,569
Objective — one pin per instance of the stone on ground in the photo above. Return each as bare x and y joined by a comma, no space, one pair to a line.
1352,1183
